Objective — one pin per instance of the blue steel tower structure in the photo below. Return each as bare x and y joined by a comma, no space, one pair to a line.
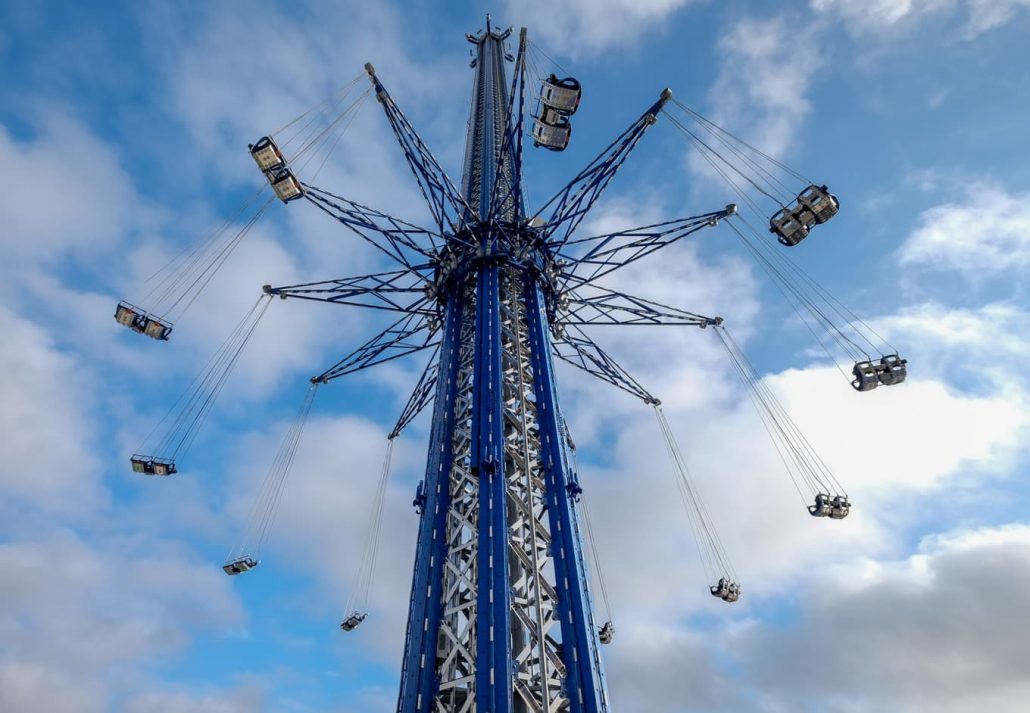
500,616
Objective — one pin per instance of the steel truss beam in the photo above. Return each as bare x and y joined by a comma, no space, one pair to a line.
500,617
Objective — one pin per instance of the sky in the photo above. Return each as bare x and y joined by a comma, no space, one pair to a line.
123,134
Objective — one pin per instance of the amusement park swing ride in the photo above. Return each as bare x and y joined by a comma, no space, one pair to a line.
496,291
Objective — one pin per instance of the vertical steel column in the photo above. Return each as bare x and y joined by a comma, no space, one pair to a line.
493,636
419,681
580,647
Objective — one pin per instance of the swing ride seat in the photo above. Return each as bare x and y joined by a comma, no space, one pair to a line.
353,621
127,315
156,328
892,369
823,506
239,565
551,136
817,204
606,633
726,590
789,230
720,589
149,465
286,185
267,155
561,94
840,507
139,321
867,376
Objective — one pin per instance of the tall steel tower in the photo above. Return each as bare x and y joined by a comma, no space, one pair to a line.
500,616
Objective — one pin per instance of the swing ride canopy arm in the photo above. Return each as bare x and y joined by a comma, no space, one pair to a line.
421,396
392,236
576,348
611,251
445,201
574,201
591,304
391,290
407,335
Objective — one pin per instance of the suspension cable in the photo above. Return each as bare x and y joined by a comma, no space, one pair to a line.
364,575
800,459
265,506
716,128
713,555
190,409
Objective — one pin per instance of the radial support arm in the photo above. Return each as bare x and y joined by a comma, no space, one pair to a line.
422,396
578,349
392,236
611,251
571,204
591,304
444,200
405,336
392,290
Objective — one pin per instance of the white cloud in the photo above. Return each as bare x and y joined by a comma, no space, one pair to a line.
47,446
983,347
876,17
244,700
942,629
986,233
766,70
82,622
233,74
323,519
70,195
591,25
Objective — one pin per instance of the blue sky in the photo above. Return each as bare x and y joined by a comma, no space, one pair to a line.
123,133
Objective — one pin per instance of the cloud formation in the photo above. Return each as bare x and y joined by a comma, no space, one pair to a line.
589,26
898,17
986,233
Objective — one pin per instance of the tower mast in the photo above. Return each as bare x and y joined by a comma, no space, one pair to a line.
500,617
